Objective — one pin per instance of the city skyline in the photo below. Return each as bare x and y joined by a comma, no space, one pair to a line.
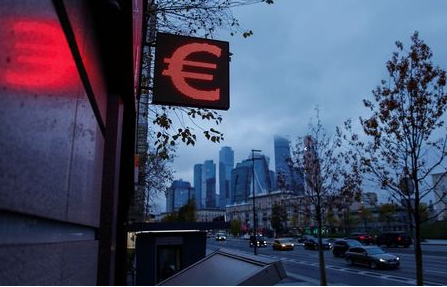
326,54
205,179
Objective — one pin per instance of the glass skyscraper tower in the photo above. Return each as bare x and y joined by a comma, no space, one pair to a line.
242,178
285,176
208,190
226,164
198,185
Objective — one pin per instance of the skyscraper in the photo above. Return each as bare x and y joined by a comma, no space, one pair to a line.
286,178
208,192
178,195
198,185
242,178
226,164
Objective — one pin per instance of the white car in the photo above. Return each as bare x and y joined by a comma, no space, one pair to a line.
221,236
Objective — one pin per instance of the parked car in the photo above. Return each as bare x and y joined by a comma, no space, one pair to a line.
303,238
260,241
363,238
394,239
282,244
221,236
312,244
372,256
340,247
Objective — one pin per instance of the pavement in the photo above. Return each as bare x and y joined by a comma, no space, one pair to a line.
434,242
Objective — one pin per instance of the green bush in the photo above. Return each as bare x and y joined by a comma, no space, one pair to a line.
434,230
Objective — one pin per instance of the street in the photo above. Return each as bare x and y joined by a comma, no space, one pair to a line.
302,265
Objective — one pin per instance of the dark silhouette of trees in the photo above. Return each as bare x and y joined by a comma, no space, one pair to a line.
405,135
387,213
329,175
279,217
186,213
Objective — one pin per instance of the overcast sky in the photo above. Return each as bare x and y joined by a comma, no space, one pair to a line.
304,54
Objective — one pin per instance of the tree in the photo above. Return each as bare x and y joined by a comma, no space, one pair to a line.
188,212
279,217
329,174
158,175
170,126
387,213
405,135
202,18
365,216
235,227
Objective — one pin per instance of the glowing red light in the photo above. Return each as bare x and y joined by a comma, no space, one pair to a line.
178,76
40,56
399,238
362,237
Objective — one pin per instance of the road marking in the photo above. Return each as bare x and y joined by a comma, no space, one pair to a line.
434,271
303,278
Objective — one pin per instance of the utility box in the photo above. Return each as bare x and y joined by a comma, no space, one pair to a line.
161,254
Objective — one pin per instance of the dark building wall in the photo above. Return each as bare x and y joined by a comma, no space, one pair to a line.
53,138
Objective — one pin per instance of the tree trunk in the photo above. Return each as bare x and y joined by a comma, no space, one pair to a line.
323,280
417,242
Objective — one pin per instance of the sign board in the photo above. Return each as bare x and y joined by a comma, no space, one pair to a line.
191,72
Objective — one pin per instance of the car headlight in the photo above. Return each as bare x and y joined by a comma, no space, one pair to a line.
293,244
382,260
283,245
265,242
397,258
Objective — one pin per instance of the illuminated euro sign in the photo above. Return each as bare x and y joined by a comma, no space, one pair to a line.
178,76
41,56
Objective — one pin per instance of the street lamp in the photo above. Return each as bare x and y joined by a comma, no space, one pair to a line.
254,206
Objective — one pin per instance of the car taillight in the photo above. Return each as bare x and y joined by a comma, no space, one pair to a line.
362,237
399,238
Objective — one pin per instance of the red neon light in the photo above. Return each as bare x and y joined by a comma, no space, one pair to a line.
178,76
40,56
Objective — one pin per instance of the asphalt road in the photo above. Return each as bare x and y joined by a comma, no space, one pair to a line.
302,264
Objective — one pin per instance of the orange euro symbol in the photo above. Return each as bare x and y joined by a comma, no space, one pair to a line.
178,76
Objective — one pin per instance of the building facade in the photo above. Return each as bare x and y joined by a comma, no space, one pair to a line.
286,177
209,215
178,195
440,203
297,208
68,110
226,164
242,178
198,185
208,190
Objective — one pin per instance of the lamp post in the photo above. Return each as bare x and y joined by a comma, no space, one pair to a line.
254,206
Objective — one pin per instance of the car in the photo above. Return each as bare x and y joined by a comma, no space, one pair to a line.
312,244
260,241
372,256
303,238
220,236
394,239
363,238
282,244
340,247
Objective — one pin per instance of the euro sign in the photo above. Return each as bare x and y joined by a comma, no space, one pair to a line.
178,76
41,56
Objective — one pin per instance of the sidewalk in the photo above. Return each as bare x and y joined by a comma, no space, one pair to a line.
434,242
